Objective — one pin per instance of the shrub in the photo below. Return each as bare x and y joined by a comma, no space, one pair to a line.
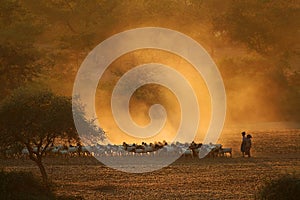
24,186
285,187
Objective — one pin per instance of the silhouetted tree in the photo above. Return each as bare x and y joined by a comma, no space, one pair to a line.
35,117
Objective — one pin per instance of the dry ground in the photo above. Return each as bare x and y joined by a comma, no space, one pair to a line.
274,153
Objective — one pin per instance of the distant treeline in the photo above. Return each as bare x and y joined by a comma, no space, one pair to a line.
255,43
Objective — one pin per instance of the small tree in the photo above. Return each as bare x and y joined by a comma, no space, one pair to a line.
36,117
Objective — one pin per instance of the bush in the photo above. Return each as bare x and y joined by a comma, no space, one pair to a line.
285,187
24,186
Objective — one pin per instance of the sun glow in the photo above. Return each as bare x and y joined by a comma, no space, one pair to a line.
150,94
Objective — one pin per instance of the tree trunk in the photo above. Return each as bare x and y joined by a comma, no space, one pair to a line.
43,171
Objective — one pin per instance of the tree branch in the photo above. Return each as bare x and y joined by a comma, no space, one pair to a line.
31,153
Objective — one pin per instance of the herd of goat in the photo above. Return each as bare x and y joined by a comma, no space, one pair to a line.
157,148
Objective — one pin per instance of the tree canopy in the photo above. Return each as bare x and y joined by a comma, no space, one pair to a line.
22,61
36,118
255,44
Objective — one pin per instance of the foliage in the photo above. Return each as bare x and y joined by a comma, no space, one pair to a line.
23,185
268,29
30,29
21,60
285,187
90,132
35,117
264,26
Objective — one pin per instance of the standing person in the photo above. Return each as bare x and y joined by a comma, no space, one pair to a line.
243,143
248,145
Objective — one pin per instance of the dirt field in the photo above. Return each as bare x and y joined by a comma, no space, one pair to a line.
274,153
